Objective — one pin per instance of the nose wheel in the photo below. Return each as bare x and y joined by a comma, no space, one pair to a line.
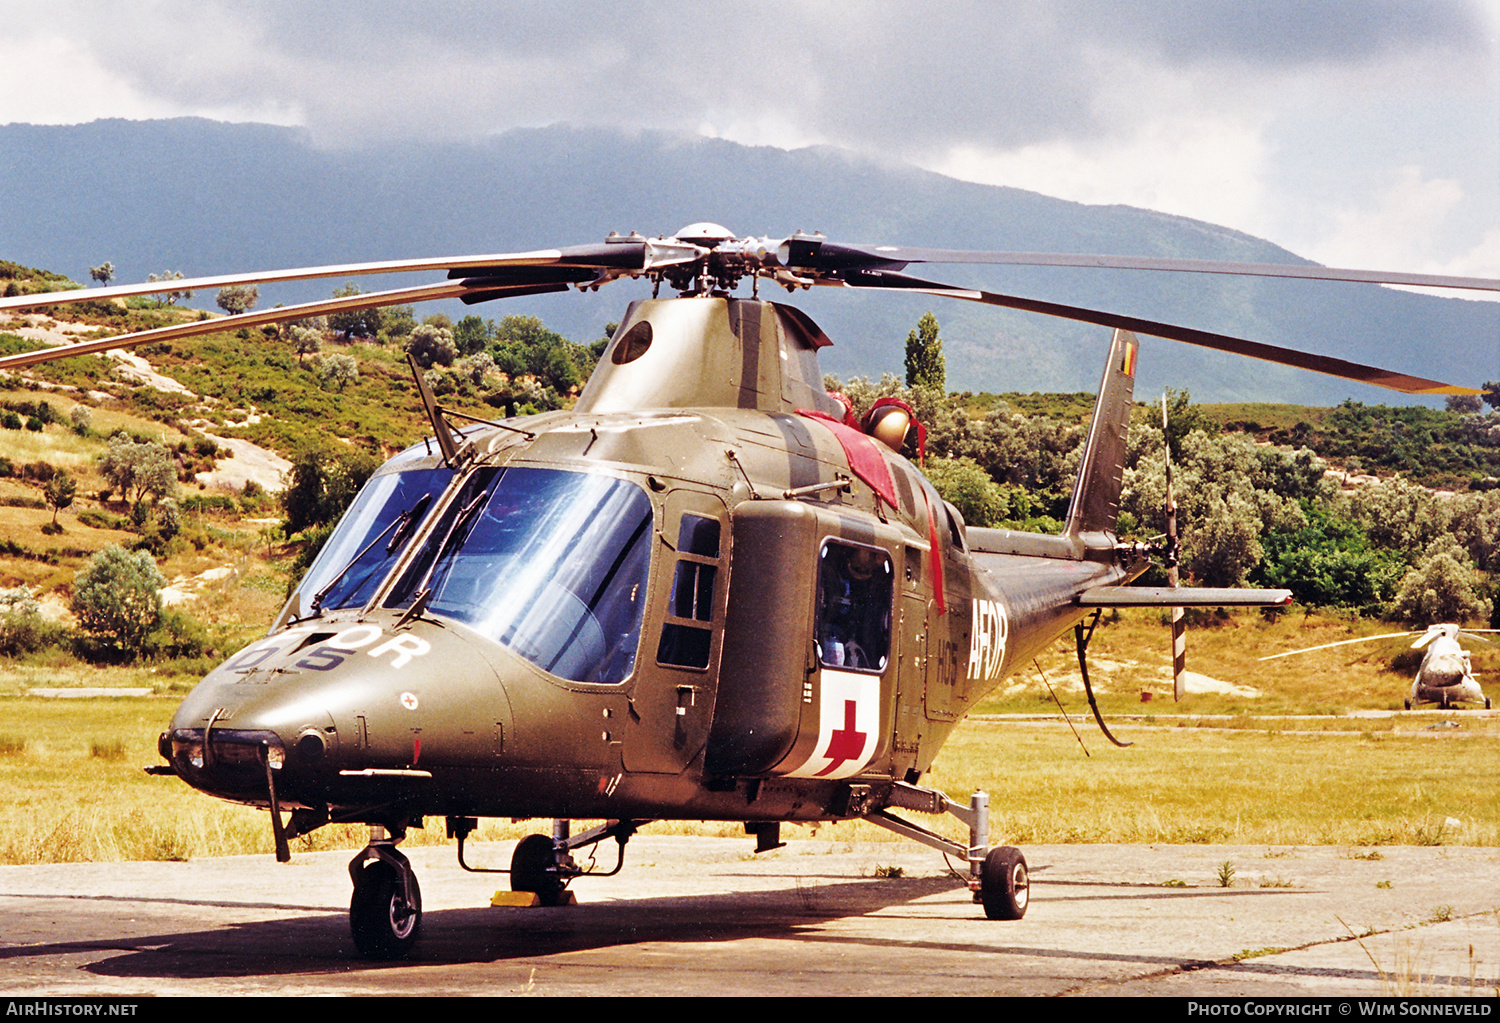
385,912
534,868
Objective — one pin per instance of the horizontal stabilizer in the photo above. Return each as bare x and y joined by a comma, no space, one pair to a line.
1166,596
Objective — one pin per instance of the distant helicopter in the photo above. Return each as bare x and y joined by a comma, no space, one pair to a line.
1445,676
707,592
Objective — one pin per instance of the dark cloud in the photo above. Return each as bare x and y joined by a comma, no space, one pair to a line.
893,76
1281,33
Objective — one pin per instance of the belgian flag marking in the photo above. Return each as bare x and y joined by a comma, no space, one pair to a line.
1127,364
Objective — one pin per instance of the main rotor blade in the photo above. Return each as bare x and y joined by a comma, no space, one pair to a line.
1206,339
1342,642
196,328
895,257
629,255
541,257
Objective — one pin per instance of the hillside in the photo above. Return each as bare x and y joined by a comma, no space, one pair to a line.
1255,510
255,196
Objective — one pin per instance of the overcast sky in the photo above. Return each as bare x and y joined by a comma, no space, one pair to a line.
1354,132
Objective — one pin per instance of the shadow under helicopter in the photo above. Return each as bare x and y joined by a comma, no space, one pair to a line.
313,944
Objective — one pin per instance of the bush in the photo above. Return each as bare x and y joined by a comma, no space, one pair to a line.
97,519
179,635
23,630
117,597
963,484
1442,587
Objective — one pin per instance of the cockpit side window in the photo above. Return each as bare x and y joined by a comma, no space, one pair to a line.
855,587
687,635
369,539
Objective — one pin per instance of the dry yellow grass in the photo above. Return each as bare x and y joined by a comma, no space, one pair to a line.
24,526
75,790
1239,786
1131,654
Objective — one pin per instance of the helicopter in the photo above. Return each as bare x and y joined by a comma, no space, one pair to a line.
706,592
1446,674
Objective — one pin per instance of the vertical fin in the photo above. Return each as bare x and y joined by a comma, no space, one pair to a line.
1096,496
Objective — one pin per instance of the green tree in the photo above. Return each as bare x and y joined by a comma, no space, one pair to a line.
471,334
1442,587
924,356
170,297
103,273
338,370
237,298
1183,417
524,346
305,341
963,484
355,322
139,469
117,596
319,488
1329,563
431,345
59,491
398,322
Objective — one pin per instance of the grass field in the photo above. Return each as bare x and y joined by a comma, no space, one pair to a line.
75,789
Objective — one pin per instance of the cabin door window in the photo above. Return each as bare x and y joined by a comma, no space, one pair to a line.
855,588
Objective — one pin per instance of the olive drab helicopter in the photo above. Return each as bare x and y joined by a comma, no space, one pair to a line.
706,592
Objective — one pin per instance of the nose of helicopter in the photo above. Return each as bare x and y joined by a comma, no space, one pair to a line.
307,707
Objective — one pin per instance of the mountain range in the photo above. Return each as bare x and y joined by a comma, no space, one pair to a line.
206,197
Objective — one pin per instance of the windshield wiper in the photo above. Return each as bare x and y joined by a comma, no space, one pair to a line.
449,545
401,528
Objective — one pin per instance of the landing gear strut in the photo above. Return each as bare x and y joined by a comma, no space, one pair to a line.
385,912
998,878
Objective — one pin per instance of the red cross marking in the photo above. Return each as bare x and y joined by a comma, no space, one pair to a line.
846,743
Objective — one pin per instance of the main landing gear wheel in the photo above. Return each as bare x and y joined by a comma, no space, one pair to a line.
532,869
1004,885
384,922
